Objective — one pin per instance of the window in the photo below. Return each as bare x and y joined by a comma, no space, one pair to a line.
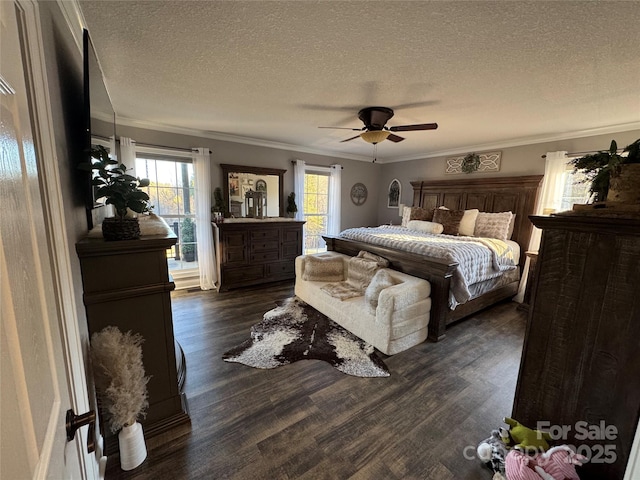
575,189
316,210
172,195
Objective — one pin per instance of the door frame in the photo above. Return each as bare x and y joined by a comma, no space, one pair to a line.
92,465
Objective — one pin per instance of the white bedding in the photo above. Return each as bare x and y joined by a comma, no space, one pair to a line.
479,259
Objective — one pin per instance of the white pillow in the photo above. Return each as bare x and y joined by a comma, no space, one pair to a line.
493,225
379,282
152,224
425,227
406,216
468,222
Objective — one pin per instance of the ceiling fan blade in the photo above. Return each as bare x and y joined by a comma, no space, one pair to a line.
395,138
349,139
344,128
409,128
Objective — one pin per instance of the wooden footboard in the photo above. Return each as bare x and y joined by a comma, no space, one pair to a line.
437,271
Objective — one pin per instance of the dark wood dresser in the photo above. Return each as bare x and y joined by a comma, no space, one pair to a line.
127,285
581,357
255,252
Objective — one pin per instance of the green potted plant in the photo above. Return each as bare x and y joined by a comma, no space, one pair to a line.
613,176
219,205
292,208
625,179
121,190
187,237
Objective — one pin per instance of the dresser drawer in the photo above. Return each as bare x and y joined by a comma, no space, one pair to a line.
238,275
270,234
266,256
281,269
263,245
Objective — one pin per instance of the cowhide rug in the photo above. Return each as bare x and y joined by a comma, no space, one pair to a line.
295,331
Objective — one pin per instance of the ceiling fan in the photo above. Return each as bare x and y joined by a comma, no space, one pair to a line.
375,129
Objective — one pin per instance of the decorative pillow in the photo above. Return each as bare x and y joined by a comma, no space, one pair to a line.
320,268
152,224
406,216
360,271
512,225
381,280
468,222
381,261
450,220
493,225
419,213
425,227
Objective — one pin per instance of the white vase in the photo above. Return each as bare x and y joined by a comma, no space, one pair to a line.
133,449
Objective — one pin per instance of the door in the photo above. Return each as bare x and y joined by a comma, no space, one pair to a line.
38,350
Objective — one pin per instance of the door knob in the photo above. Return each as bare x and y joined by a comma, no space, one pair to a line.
74,422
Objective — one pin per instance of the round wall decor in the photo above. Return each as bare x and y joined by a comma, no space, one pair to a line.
359,194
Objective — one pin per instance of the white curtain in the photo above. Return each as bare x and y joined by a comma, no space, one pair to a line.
548,202
335,193
127,152
204,230
298,187
127,158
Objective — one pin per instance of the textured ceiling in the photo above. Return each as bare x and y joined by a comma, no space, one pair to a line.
489,73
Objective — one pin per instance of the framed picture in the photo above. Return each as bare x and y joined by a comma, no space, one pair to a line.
393,196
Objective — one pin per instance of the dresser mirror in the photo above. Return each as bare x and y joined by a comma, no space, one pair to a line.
240,179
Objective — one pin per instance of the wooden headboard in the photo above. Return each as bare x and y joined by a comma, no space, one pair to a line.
498,194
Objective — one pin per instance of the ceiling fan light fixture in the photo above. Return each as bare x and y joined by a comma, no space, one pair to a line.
375,136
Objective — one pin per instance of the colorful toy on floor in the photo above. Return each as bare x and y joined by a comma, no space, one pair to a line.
558,463
527,439
493,450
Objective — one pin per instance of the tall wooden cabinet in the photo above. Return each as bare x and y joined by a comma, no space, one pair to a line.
127,285
581,358
253,252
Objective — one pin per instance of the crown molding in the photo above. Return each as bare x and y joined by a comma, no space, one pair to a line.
519,142
225,137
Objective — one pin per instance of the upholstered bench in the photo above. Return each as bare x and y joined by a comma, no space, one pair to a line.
393,316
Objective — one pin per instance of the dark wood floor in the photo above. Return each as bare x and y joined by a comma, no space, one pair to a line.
307,420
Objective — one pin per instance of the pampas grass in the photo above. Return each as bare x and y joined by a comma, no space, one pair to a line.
119,375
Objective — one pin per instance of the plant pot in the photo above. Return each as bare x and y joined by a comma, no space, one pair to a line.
133,449
624,186
114,228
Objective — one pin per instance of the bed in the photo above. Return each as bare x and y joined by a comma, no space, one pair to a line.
500,194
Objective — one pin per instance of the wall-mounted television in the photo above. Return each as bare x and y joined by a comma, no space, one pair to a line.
99,121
